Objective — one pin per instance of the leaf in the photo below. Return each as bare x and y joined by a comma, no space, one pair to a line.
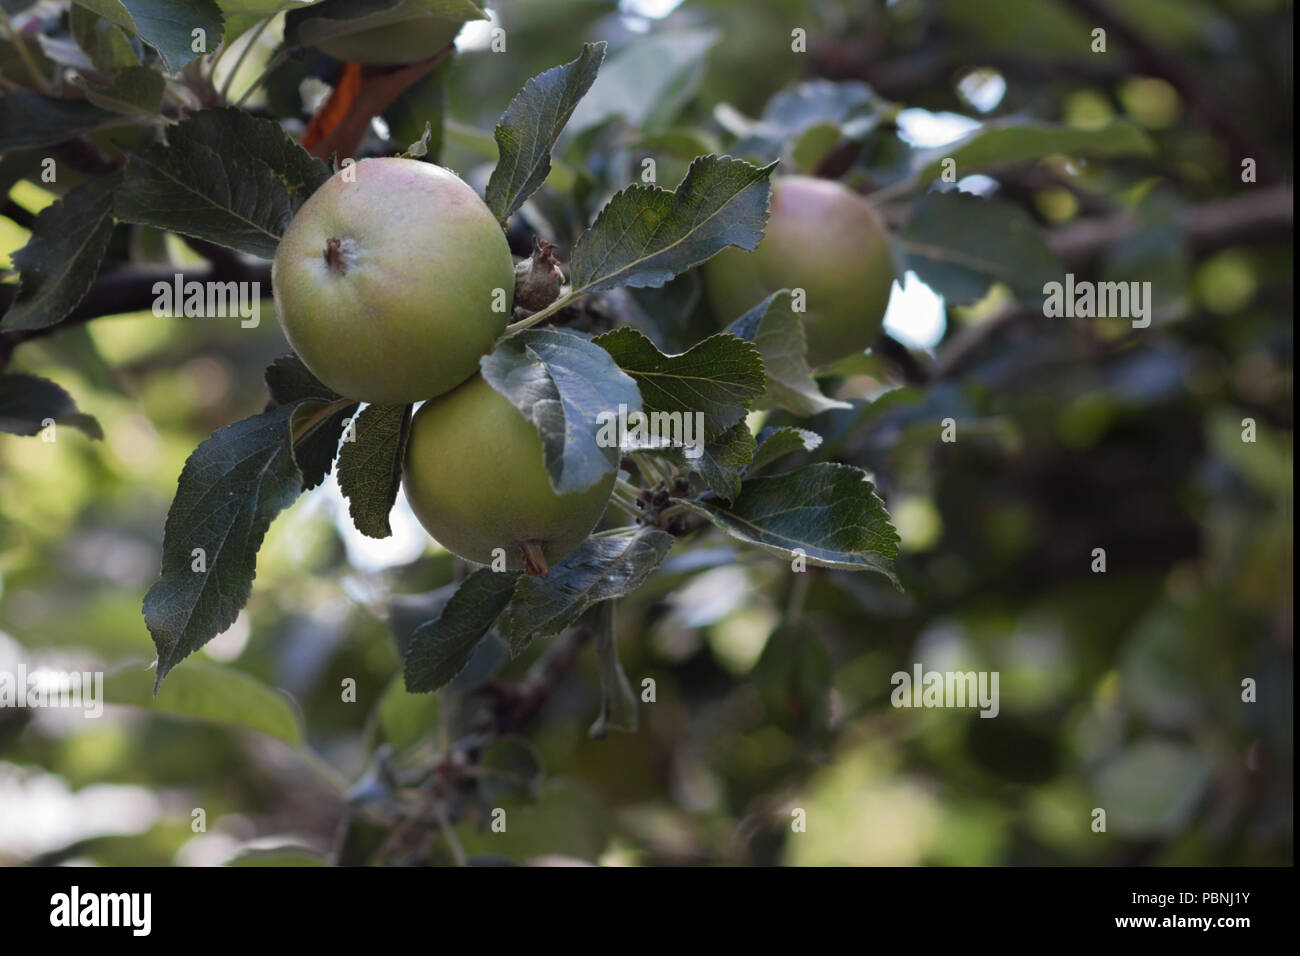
648,82
646,235
778,334
226,177
101,40
332,18
61,260
370,466
618,702
957,243
814,111
603,567
407,718
793,679
719,378
530,126
722,460
27,402
561,383
774,443
1019,142
133,90
213,694
828,511
440,649
316,442
29,119
230,489
166,25
509,769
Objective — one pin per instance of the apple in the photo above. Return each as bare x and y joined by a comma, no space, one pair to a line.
407,33
475,477
392,280
827,240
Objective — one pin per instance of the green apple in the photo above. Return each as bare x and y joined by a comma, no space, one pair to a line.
392,280
407,33
475,477
827,240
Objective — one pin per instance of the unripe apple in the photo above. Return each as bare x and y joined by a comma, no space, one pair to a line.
827,240
406,34
475,477
392,280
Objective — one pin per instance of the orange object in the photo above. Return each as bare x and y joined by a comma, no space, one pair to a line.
331,113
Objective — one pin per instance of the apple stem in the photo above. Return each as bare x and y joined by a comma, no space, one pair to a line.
334,255
534,560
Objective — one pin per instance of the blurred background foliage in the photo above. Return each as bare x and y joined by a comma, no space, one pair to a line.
1119,690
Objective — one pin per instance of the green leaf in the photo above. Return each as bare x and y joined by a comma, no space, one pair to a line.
530,126
1152,789
808,119
646,235
213,694
618,703
648,82
407,718
333,18
316,439
603,567
775,443
61,260
793,680
511,768
829,512
778,334
719,378
440,649
104,42
996,145
230,489
561,383
370,466
226,176
722,461
133,90
166,25
420,112
947,243
27,402
29,119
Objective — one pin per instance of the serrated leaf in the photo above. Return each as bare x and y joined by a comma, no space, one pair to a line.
722,461
333,18
230,489
949,244
775,443
778,334
830,512
166,25
61,260
603,567
646,235
132,90
213,694
530,126
29,119
1018,142
225,176
562,383
719,378
370,466
27,402
316,446
440,649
